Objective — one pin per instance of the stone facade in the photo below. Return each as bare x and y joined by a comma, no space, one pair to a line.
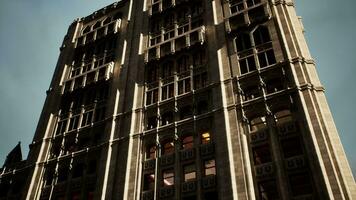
176,99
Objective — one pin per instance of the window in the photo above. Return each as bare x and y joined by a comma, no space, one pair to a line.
152,74
251,3
92,167
152,96
261,35
268,190
168,177
78,170
151,152
151,122
167,91
87,118
149,182
261,154
205,137
62,174
99,114
189,172
274,85
49,175
199,58
183,64
167,118
184,86
243,42
168,147
236,6
300,184
247,64
73,124
188,142
209,167
202,107
283,116
291,147
266,58
200,80
61,127
251,92
185,112
258,123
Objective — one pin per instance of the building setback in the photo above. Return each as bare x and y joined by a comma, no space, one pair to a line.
177,99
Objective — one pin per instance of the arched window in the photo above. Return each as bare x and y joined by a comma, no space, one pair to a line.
168,147
243,42
261,35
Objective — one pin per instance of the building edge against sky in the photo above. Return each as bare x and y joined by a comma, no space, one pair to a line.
184,100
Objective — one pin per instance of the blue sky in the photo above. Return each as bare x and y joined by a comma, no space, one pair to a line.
32,31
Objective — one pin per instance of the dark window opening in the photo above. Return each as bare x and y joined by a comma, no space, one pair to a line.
261,154
300,184
188,142
152,122
268,190
167,118
243,42
151,152
78,170
168,147
185,112
247,64
291,147
149,182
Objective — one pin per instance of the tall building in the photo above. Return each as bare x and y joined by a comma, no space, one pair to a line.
177,99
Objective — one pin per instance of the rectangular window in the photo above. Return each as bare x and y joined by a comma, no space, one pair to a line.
87,118
261,154
184,86
247,64
200,80
266,58
168,177
73,124
300,184
189,172
61,127
291,147
268,190
236,6
205,137
209,167
151,96
149,182
167,91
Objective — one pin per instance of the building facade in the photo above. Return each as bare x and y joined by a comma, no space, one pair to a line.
177,99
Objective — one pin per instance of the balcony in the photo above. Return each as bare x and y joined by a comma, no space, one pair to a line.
208,182
188,187
264,170
187,154
167,159
207,149
244,17
149,164
148,195
85,75
166,192
161,45
295,163
98,33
